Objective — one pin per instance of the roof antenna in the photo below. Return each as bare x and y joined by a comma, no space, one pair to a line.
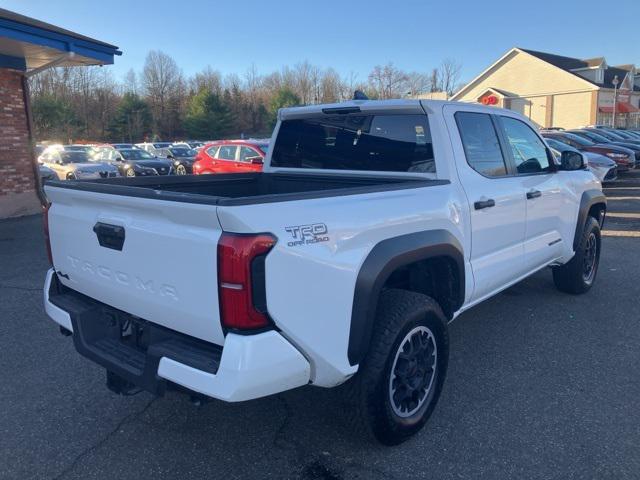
360,95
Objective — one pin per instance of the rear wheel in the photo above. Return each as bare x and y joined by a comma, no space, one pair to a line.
399,382
577,275
181,170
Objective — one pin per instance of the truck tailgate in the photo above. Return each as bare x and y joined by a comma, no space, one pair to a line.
165,271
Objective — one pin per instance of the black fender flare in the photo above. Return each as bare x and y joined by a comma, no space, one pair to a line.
383,259
589,199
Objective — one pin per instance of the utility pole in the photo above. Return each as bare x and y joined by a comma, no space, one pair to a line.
615,82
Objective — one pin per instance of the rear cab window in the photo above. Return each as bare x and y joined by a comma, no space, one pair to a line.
360,142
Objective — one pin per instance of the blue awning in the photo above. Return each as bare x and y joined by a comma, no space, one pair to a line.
27,44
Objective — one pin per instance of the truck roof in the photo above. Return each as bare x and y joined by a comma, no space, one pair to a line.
391,105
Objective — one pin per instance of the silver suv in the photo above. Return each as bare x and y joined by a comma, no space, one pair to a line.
71,163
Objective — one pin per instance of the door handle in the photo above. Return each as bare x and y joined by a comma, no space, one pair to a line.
109,236
480,204
533,194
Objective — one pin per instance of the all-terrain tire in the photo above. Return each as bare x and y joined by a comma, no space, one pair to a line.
371,391
577,275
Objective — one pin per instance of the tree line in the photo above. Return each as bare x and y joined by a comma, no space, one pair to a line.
160,102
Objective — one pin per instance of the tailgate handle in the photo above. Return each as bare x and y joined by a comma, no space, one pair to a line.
109,236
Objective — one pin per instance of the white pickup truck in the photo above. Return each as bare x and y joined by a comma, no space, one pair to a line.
373,225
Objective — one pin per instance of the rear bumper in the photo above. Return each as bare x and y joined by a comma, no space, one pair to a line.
247,367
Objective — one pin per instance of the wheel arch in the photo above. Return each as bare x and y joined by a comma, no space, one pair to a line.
383,260
593,203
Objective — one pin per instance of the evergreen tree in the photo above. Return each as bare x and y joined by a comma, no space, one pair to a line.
132,120
284,97
208,116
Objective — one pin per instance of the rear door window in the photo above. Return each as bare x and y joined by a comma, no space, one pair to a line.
247,153
227,152
212,151
367,142
481,144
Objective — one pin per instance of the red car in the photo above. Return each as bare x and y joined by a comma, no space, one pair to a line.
229,156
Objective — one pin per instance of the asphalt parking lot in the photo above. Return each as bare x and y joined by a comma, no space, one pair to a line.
540,385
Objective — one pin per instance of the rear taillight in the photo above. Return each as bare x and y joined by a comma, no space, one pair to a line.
45,227
241,280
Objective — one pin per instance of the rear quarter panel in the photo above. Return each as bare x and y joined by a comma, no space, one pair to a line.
310,286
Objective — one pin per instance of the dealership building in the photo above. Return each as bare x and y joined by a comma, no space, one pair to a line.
29,46
557,91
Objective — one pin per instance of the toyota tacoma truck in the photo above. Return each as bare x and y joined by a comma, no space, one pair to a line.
373,225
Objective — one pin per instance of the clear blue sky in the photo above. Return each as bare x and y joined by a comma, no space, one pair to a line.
351,36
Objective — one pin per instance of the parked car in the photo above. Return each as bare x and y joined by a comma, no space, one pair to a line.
624,157
123,145
602,167
133,162
182,158
46,174
192,144
38,149
595,135
626,134
72,163
613,136
599,136
296,277
231,156
152,147
78,148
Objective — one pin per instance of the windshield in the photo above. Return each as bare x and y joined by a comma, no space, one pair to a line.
77,156
135,154
183,152
626,135
77,148
385,143
596,137
578,139
610,135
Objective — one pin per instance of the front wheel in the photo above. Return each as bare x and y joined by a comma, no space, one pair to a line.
130,172
577,275
399,382
181,170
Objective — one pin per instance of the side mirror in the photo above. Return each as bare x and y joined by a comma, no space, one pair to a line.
256,160
571,161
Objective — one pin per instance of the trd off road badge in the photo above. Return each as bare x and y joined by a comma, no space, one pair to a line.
307,234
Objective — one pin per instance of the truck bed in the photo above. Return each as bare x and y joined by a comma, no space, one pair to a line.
243,189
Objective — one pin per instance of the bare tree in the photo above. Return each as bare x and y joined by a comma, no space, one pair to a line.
387,81
417,83
331,87
450,75
208,79
161,79
303,80
130,82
